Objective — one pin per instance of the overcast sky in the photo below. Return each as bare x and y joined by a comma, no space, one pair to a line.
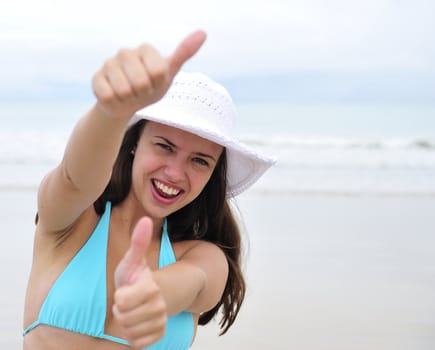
57,41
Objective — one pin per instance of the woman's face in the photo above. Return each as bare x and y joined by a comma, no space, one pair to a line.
170,168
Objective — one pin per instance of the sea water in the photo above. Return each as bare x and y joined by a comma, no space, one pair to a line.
343,149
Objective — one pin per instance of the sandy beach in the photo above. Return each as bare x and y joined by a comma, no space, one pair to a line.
325,272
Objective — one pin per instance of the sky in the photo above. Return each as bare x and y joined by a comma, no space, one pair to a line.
293,50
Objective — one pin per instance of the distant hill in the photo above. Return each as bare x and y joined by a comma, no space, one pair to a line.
334,87
293,87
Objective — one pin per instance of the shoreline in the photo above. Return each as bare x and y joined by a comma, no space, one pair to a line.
286,192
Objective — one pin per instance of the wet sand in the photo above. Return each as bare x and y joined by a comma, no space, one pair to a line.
324,272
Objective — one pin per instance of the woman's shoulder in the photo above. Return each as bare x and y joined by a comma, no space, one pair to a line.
197,248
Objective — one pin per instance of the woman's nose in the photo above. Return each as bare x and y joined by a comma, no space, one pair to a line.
175,169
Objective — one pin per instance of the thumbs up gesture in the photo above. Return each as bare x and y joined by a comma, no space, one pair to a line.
135,78
139,306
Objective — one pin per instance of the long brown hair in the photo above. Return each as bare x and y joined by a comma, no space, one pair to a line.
209,217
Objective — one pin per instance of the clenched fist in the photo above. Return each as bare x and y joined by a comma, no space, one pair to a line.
139,77
139,306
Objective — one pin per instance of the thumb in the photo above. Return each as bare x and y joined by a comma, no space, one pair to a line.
185,50
134,260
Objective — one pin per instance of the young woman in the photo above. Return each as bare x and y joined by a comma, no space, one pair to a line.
135,241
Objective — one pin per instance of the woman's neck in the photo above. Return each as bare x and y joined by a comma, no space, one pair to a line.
128,213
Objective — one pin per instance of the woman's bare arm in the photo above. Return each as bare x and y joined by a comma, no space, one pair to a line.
126,83
83,173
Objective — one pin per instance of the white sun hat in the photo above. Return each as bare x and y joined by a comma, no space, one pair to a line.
197,104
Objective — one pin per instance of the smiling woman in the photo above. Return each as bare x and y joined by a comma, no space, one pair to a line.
187,172
136,244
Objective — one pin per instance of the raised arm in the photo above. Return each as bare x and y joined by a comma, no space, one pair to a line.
126,83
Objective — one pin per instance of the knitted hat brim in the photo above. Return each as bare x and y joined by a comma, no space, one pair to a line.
244,165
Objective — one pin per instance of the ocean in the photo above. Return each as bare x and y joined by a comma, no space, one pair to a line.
327,149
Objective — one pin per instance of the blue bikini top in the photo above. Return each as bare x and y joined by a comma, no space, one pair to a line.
77,300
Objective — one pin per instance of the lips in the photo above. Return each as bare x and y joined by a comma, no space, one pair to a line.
165,190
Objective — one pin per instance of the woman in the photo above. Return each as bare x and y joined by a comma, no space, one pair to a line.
135,241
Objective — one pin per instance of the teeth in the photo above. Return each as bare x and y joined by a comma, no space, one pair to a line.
165,189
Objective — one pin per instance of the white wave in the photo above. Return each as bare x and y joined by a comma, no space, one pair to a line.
326,142
305,164
31,147
48,146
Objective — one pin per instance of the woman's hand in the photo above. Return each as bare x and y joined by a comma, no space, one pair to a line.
137,78
139,306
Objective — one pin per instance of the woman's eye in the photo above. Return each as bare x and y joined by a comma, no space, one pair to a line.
165,146
201,161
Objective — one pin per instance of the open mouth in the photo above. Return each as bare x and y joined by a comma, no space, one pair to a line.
164,190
